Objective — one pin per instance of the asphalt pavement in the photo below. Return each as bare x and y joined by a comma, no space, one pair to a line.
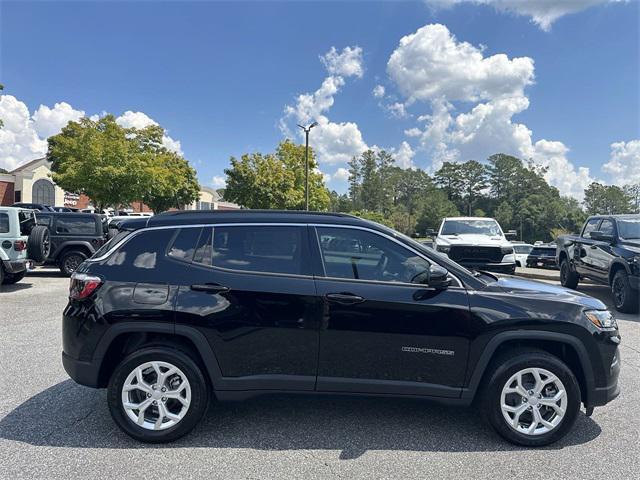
51,428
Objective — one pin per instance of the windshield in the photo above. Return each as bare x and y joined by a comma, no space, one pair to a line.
472,226
629,228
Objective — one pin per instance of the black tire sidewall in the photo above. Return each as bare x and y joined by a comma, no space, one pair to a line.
12,278
570,279
63,260
35,246
493,392
630,304
199,394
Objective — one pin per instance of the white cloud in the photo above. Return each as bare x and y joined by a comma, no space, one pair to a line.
378,91
347,63
50,121
397,110
218,181
333,142
624,164
341,175
431,64
24,135
404,155
19,141
542,12
141,120
413,132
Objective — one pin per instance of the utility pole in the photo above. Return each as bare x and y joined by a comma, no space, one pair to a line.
306,163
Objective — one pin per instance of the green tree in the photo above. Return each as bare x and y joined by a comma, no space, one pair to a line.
276,181
170,182
473,178
605,200
449,178
99,159
355,182
633,192
115,166
435,207
3,170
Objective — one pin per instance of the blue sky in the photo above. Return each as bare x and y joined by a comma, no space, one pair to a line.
218,76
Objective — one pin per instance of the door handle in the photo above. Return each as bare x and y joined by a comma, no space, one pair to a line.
344,298
593,247
209,288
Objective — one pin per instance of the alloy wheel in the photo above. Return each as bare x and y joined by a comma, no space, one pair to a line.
72,262
618,291
156,395
533,401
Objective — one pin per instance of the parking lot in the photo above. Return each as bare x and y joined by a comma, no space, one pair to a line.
52,428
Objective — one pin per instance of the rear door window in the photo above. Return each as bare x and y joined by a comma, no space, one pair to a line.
267,249
75,225
184,244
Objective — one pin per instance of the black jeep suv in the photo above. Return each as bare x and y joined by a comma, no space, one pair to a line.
74,237
186,306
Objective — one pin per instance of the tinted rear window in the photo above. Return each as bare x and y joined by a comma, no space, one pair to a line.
259,249
76,225
143,251
4,223
184,244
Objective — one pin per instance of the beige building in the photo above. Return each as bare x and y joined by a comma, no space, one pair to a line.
210,200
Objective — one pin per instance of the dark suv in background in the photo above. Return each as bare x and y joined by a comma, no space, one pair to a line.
74,237
183,307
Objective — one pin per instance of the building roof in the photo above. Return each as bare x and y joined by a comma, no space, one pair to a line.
31,163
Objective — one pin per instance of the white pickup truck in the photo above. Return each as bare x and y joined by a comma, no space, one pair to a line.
476,243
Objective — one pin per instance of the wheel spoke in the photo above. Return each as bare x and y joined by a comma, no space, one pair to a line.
141,385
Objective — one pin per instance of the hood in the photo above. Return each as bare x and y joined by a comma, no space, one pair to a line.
632,245
473,239
533,288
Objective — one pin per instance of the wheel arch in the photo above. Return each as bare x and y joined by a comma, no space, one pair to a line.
616,266
124,338
567,348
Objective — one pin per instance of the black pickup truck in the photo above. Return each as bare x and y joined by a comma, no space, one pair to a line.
607,252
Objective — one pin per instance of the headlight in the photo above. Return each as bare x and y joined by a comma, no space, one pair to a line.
443,248
506,250
602,319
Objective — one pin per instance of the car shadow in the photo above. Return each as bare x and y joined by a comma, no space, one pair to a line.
22,285
68,415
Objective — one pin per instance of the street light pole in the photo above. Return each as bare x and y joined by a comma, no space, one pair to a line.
306,163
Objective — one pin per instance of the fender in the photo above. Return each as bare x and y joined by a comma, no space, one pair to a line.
72,243
614,265
469,392
196,337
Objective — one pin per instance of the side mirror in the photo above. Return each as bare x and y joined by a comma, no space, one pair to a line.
602,237
511,234
438,277
431,233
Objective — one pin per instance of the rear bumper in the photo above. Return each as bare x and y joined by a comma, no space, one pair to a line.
545,261
84,373
17,266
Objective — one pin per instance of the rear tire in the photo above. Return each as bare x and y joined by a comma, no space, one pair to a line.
568,278
625,298
11,278
181,417
39,244
70,261
517,369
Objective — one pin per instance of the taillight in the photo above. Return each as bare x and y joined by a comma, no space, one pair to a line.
19,245
83,285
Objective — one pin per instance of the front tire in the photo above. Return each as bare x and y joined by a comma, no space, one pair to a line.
568,278
531,398
625,298
157,395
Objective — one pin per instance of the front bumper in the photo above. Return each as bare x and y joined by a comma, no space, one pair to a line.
634,281
603,395
17,266
491,267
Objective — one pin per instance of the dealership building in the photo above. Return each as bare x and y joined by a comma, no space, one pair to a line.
32,183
